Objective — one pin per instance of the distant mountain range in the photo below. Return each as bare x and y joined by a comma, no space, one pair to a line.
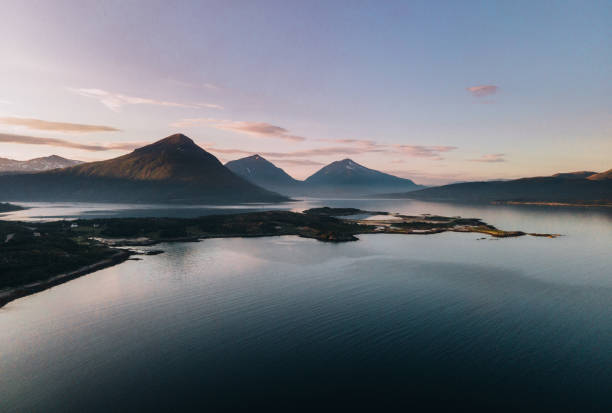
176,170
574,187
173,169
345,177
11,166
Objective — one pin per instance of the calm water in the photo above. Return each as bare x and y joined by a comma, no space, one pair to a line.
444,320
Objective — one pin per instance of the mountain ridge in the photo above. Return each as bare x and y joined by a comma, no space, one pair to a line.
343,177
562,188
173,169
601,176
45,163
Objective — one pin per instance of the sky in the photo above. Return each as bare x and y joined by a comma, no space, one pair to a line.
435,91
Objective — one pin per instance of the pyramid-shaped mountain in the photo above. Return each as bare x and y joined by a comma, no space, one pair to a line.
262,172
347,176
173,169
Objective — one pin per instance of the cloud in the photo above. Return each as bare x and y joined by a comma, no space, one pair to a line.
430,152
326,151
365,142
482,91
421,151
261,129
492,157
39,124
115,101
5,102
258,129
229,151
297,162
33,140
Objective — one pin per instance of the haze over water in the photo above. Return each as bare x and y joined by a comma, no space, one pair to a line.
397,319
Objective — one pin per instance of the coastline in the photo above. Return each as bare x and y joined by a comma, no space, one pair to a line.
10,294
562,204
94,239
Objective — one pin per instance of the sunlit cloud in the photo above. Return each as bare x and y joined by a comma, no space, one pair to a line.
260,129
229,151
33,140
430,152
296,162
365,142
326,151
38,124
482,91
421,151
115,101
492,157
257,129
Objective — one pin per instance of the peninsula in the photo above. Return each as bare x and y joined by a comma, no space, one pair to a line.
37,256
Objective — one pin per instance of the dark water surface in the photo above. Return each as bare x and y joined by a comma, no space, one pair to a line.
438,321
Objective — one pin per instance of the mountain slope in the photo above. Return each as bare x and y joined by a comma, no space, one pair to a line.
35,165
347,176
601,176
261,172
173,169
575,175
539,189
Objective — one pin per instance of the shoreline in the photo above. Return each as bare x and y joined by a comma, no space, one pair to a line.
51,246
10,294
561,204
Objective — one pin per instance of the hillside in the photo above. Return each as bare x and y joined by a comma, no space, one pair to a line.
607,175
540,189
173,169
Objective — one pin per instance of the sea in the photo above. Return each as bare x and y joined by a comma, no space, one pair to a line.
444,322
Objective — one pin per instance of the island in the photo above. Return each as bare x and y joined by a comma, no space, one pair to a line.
37,256
6,207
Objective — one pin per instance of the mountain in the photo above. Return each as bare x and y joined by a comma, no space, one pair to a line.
173,169
35,165
575,175
559,188
261,172
601,176
348,177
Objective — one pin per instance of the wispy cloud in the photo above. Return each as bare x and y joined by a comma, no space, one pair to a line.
38,124
492,157
115,101
260,129
366,142
296,162
422,151
257,129
430,152
33,140
325,151
483,90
